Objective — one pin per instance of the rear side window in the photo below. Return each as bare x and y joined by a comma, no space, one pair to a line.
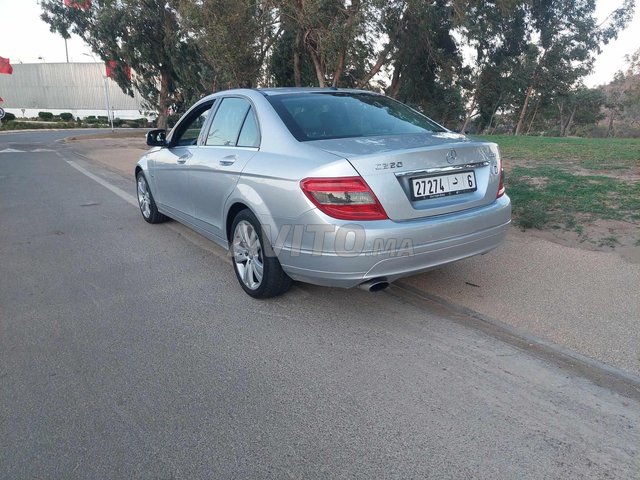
318,116
228,121
249,135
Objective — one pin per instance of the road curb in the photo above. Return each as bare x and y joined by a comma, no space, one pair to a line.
600,373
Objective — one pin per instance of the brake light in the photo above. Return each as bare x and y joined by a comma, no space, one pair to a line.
501,188
345,198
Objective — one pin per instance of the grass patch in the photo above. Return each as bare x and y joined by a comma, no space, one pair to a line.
610,241
590,153
547,195
567,184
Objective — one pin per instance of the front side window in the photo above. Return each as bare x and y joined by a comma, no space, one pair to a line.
318,116
189,132
228,126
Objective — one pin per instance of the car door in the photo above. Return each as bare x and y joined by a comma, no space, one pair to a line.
171,165
233,137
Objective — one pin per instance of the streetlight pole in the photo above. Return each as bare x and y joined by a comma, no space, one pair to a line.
106,93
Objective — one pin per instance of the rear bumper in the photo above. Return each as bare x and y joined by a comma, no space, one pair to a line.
393,249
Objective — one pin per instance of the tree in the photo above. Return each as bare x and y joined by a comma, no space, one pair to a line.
497,36
622,95
323,32
563,39
426,61
234,37
145,35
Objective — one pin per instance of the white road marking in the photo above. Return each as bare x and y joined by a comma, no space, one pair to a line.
37,150
186,233
118,191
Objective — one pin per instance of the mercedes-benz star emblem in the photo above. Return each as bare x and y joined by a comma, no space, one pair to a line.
452,156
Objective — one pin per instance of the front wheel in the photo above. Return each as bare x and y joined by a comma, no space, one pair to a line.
257,268
146,202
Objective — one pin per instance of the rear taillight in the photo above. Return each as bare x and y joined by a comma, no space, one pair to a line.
501,189
345,198
501,184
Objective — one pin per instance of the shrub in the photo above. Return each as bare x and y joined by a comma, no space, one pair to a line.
138,123
117,122
67,117
8,117
45,115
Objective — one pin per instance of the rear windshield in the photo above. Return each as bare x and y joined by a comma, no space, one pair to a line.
320,116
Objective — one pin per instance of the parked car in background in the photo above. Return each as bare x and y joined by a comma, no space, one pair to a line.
333,187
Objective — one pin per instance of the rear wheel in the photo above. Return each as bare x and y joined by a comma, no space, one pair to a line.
256,266
146,202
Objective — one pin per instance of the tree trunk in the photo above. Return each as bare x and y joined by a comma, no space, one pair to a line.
567,128
340,67
495,127
535,113
561,110
523,112
469,115
296,60
163,103
396,81
312,47
610,129
493,114
376,68
318,67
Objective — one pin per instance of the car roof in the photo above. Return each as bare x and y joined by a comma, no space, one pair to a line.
293,90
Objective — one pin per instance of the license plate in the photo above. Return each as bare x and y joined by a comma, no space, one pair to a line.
443,185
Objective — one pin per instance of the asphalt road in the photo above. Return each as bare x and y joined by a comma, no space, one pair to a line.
128,351
44,137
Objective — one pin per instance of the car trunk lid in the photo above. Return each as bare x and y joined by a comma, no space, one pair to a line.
416,176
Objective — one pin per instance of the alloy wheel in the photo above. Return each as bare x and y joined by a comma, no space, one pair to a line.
144,197
247,255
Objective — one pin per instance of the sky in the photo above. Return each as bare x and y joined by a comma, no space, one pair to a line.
27,39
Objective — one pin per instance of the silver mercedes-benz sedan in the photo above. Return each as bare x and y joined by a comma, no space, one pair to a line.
328,186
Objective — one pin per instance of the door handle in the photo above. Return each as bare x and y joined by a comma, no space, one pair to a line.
184,158
229,160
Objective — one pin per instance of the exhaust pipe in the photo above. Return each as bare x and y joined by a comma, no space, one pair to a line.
375,285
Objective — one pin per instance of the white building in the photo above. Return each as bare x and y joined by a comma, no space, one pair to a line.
78,88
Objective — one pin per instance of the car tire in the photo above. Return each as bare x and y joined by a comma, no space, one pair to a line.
147,204
257,268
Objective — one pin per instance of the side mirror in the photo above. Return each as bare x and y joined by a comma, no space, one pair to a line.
157,138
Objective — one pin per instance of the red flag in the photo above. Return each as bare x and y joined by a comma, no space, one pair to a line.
5,66
111,67
81,4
